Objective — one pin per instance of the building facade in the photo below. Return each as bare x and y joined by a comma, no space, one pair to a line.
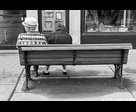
85,26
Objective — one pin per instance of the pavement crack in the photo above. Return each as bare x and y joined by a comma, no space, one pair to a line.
111,68
124,85
12,93
129,91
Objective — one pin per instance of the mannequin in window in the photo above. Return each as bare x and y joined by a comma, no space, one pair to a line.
91,19
116,18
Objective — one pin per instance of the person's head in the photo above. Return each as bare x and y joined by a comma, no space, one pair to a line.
30,24
60,26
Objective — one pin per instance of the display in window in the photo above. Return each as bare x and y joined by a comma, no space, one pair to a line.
58,15
48,14
48,25
11,12
11,26
56,22
50,18
91,20
110,20
11,16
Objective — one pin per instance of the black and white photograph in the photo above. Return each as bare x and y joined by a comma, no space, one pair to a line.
67,55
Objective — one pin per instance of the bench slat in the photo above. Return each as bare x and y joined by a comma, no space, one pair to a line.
78,60
78,47
99,59
102,52
49,63
50,53
100,56
48,59
97,63
46,56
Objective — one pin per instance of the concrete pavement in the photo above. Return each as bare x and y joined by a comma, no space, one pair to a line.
10,72
83,83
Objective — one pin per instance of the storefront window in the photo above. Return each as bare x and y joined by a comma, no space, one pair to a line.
12,12
110,20
10,27
50,18
11,15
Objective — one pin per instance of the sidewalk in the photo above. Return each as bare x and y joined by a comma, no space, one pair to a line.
83,83
10,72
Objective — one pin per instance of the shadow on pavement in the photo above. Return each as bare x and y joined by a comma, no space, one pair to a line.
60,87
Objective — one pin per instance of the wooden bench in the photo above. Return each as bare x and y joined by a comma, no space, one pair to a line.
85,54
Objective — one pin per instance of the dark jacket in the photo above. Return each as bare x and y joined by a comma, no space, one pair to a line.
60,37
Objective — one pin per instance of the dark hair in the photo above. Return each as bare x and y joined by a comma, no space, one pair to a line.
60,26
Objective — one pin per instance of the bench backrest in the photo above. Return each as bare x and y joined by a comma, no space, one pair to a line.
84,54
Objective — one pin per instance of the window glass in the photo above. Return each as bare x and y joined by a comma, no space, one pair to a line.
10,26
110,20
11,15
50,18
11,12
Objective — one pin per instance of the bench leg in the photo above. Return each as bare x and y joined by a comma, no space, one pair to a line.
121,79
116,69
27,71
27,77
121,68
119,73
36,67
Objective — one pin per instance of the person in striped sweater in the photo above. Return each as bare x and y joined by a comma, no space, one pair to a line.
31,37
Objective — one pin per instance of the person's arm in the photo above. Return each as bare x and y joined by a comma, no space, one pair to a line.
71,40
45,40
18,40
51,39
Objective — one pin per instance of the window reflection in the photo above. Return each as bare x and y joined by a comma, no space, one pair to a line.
9,16
11,12
10,26
110,20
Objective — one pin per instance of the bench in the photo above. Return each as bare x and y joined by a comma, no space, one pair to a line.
84,54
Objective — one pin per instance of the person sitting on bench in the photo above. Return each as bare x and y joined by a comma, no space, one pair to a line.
60,36
31,37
